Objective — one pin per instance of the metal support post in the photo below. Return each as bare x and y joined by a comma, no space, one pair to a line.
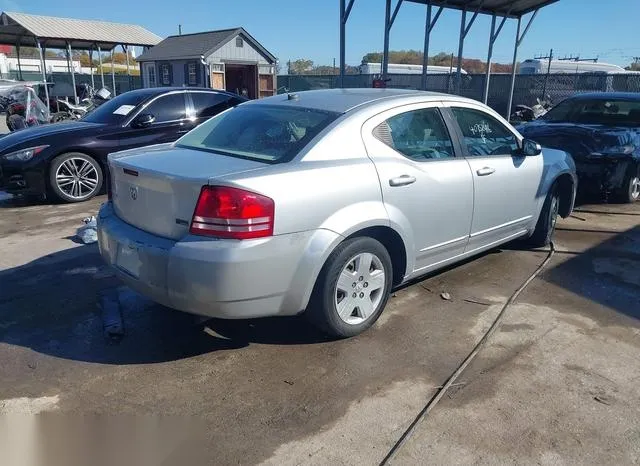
518,41
125,49
73,75
113,74
344,16
464,30
44,73
429,24
93,84
44,58
389,18
492,40
100,62
19,66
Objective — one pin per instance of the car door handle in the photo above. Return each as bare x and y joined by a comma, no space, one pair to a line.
403,180
485,171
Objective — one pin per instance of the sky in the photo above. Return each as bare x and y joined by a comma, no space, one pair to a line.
292,29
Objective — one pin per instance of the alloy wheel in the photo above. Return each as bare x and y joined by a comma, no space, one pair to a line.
553,213
77,178
635,188
360,288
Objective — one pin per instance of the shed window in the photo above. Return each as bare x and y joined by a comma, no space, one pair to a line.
165,74
239,42
193,78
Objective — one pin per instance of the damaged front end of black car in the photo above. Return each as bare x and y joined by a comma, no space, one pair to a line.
605,147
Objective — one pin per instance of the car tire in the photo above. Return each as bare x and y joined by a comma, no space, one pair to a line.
546,224
630,191
75,177
352,289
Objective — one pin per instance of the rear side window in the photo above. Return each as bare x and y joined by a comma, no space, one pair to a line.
484,135
208,104
418,135
266,133
167,108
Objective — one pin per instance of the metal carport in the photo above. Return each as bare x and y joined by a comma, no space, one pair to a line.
20,29
500,10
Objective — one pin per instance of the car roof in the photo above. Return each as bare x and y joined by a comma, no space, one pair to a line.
607,96
154,91
345,100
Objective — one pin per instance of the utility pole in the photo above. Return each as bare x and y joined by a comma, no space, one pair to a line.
546,76
179,29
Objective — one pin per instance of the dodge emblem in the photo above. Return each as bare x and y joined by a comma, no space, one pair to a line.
133,190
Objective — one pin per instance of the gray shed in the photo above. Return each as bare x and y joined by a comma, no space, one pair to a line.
229,59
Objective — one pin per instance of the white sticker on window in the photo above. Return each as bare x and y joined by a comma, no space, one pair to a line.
123,109
481,129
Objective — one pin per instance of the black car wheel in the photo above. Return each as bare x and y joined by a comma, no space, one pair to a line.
352,289
75,177
547,221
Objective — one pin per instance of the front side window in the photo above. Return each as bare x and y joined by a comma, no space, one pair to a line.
191,71
167,108
419,135
484,135
267,133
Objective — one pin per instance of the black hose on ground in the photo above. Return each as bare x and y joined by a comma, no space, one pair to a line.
451,380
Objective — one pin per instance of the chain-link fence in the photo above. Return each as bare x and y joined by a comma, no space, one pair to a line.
124,83
527,87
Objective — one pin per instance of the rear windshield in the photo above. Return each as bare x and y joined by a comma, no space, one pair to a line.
265,133
614,112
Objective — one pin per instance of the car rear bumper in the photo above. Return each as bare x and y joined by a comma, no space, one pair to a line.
216,278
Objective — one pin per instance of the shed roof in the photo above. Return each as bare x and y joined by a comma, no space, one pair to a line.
23,29
197,44
509,8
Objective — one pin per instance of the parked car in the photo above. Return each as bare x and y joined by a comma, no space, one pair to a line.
601,131
325,201
68,160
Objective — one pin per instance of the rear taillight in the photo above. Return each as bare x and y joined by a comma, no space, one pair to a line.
232,213
110,182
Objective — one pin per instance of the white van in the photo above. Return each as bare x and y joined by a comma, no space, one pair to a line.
394,68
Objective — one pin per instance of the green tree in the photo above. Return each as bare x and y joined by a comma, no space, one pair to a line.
300,66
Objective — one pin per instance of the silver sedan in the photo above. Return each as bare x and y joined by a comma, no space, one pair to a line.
323,201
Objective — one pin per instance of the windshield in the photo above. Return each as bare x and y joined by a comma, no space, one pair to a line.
259,132
114,111
613,112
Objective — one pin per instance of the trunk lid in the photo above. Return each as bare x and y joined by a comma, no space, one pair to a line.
156,188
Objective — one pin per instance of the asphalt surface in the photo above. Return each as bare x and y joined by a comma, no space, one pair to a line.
557,384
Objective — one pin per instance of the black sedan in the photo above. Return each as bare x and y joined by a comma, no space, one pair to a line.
601,131
68,160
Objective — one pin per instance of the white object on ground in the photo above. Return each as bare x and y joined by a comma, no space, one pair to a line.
88,233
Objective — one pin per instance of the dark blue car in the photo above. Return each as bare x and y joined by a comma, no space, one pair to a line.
601,131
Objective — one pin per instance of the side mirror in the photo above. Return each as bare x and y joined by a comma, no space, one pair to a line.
531,148
143,120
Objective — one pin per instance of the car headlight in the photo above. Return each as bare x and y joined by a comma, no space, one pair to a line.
24,155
